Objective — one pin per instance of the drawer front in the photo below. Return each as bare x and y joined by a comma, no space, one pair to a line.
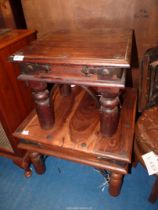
73,73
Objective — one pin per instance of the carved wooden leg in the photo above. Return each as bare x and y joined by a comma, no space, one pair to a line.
115,184
154,193
65,90
36,160
28,171
136,155
25,164
44,107
109,112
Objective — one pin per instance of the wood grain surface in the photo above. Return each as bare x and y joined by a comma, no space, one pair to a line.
108,47
76,127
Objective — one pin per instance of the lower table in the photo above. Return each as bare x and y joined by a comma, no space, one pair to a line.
76,137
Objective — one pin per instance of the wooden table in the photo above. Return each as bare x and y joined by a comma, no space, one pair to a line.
98,58
80,123
76,136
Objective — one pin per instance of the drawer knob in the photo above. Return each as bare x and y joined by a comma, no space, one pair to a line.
95,71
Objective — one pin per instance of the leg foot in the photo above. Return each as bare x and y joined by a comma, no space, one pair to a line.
38,163
154,193
28,173
115,184
25,164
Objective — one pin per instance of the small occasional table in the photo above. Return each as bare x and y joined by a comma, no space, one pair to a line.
81,120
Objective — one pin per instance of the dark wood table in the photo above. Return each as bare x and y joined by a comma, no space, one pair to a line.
81,123
96,59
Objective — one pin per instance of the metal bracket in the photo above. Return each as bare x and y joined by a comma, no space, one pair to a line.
102,72
33,68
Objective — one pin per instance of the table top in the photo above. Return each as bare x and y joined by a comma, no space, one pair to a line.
108,47
76,128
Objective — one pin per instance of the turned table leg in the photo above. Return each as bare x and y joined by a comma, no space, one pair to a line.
154,193
115,184
25,164
109,112
37,162
43,105
65,90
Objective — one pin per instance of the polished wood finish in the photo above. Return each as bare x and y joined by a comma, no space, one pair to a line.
146,141
65,90
16,100
76,128
82,15
115,184
24,163
79,157
95,61
98,47
76,137
154,193
36,160
96,58
43,105
109,111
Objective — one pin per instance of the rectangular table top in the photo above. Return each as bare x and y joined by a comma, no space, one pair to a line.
108,47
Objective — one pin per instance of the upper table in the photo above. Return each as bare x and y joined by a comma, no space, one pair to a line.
95,58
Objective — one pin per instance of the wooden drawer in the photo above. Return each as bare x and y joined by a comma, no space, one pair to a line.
74,74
